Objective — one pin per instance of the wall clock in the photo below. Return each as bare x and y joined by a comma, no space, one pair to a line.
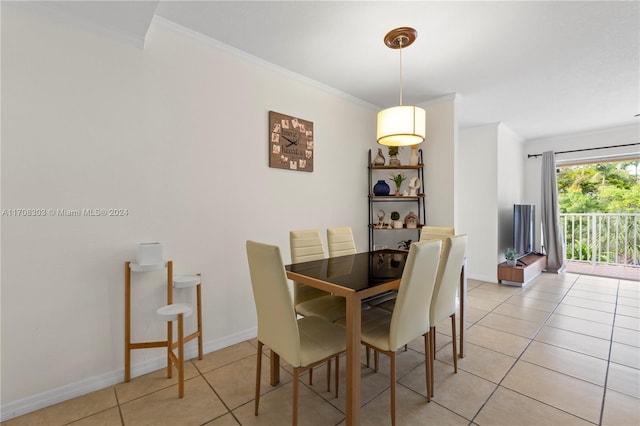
290,142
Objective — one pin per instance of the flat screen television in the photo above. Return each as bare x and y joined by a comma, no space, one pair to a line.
524,231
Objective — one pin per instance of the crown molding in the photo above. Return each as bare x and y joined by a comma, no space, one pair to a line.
208,41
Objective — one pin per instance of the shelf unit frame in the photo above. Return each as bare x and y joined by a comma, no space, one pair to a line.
419,199
128,345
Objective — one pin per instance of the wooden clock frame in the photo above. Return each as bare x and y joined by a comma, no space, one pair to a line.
290,142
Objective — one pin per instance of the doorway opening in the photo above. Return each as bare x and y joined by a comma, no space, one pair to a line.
600,217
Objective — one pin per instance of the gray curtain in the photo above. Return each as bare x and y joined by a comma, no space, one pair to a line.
553,240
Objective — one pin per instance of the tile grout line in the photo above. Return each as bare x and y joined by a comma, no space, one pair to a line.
229,411
606,376
115,393
520,356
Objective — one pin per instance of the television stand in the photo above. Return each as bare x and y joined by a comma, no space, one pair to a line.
526,269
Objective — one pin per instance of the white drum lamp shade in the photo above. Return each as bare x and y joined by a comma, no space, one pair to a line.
401,126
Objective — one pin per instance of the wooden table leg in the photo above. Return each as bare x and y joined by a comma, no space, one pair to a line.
353,360
463,306
275,368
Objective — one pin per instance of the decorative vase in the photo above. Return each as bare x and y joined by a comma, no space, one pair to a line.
414,156
394,161
511,262
381,188
379,160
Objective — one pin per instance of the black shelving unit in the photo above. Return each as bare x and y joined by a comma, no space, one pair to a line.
419,200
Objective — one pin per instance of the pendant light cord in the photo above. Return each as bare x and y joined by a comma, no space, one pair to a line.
400,43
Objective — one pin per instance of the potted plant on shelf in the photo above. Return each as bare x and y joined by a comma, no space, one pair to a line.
398,178
397,223
393,156
511,255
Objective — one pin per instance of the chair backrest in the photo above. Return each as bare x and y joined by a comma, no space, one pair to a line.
436,233
277,325
443,303
340,241
306,245
410,318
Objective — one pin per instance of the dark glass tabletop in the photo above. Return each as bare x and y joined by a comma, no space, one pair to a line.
357,271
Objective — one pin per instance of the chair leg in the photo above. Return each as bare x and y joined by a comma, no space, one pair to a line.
294,418
337,373
258,374
180,355
427,362
376,360
368,352
274,361
311,377
455,345
432,357
392,375
433,339
329,375
432,376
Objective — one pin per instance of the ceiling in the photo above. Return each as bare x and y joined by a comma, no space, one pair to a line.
541,68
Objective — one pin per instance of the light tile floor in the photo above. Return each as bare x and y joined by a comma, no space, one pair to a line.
564,350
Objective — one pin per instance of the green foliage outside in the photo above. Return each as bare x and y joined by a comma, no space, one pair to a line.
600,188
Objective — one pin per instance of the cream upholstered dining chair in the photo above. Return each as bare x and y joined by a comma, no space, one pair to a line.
443,302
340,241
386,331
436,232
427,233
306,245
303,343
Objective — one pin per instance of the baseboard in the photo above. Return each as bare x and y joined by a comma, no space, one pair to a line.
72,390
485,278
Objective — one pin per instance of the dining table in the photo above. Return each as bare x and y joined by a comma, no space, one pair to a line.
358,277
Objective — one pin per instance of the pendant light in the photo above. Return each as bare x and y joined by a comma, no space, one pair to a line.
401,125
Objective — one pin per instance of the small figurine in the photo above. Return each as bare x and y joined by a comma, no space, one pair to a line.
414,185
379,160
411,220
381,215
404,245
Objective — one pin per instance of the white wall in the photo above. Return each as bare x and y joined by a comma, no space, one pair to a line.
491,172
510,184
440,159
607,137
479,199
177,135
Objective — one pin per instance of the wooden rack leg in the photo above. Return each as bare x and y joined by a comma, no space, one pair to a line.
169,323
127,321
128,346
180,355
199,303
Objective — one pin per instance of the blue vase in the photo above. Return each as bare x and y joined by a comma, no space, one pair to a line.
381,188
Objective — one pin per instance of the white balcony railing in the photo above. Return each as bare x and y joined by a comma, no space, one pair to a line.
602,238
